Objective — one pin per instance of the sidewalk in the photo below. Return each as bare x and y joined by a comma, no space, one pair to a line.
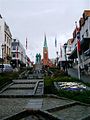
74,73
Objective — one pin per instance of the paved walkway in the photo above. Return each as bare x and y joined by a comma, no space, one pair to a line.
74,73
63,109
17,97
34,104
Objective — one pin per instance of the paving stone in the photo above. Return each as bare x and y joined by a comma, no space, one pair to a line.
34,104
49,103
11,106
73,113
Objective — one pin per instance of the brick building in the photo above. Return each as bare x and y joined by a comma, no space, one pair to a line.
46,61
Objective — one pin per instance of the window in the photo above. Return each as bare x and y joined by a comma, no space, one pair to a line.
7,49
87,33
9,41
69,48
1,66
14,47
13,55
5,37
15,44
82,36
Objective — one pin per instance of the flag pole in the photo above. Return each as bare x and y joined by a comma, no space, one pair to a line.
79,76
17,56
60,55
26,50
56,52
26,43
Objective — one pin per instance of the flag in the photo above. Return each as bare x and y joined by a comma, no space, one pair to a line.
78,41
78,38
26,43
78,48
55,42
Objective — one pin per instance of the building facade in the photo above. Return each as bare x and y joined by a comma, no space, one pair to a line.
18,54
28,62
84,53
5,41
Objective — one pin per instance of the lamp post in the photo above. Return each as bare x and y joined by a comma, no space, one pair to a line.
65,47
2,55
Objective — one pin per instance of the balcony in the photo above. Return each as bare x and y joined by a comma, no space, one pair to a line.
84,47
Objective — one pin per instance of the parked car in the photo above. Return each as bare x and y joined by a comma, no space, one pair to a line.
6,68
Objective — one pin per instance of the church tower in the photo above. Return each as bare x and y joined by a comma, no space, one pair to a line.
45,52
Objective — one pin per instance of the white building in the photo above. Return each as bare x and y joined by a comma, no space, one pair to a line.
62,54
18,54
85,38
5,40
70,47
65,50
84,26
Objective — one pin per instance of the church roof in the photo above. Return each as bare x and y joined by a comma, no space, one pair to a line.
45,42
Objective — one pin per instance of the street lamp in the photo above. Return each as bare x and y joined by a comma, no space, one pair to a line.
2,55
65,47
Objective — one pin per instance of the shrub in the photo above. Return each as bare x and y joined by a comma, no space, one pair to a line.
65,79
82,96
6,78
49,86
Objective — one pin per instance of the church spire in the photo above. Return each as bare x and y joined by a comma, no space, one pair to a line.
45,41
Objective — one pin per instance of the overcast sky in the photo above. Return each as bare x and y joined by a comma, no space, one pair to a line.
34,18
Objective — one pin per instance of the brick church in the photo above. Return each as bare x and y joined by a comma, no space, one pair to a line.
46,61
